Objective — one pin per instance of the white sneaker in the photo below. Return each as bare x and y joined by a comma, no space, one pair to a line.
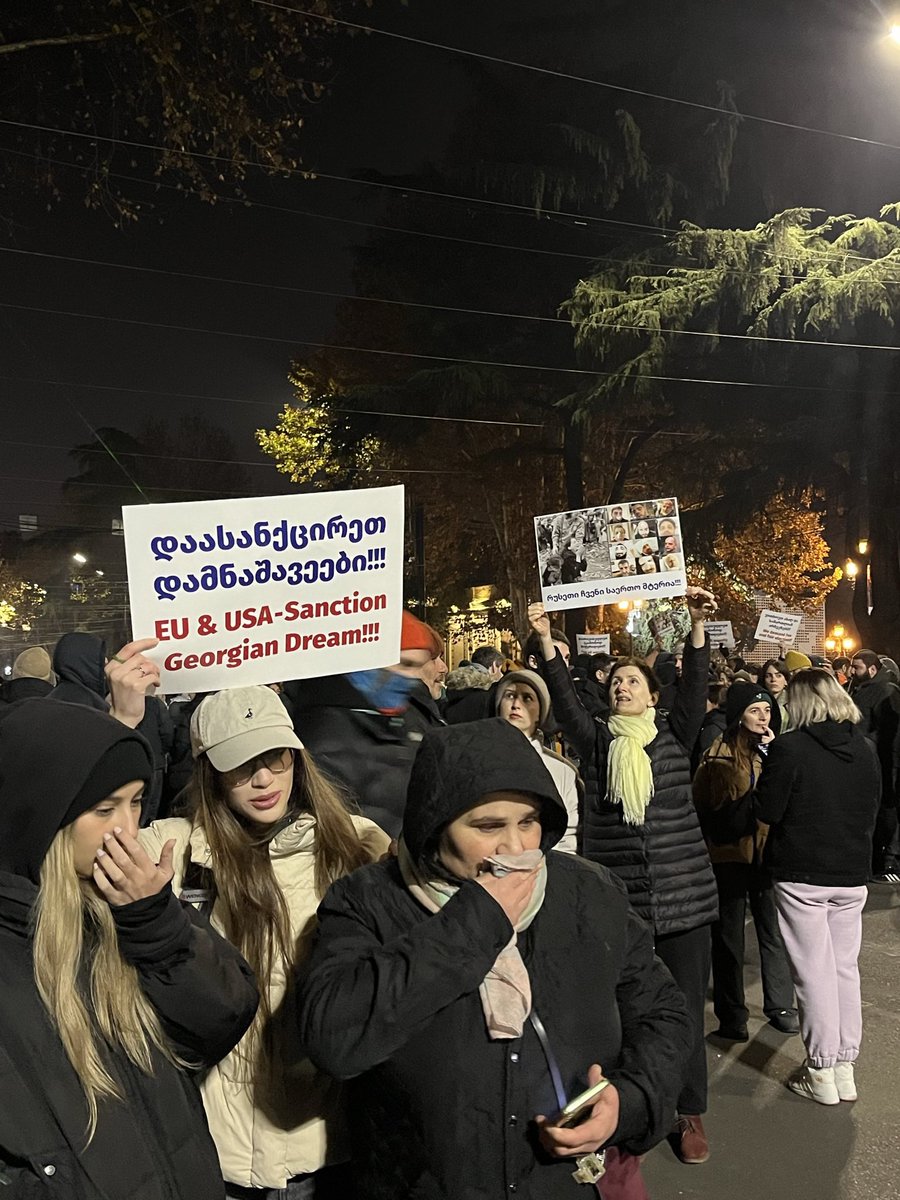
844,1080
816,1084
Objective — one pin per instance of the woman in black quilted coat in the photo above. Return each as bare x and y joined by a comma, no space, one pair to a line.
640,821
445,992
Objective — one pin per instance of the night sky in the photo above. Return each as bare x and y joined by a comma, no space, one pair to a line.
392,108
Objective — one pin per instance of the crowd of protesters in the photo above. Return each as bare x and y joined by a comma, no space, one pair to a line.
336,938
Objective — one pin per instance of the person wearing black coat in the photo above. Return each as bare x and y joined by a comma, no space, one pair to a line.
177,997
404,994
877,696
366,740
79,660
640,821
819,795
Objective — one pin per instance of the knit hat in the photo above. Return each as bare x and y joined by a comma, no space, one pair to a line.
57,760
416,635
795,661
33,663
237,725
122,763
741,695
534,681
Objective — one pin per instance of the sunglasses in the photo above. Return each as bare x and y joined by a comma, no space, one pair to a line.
276,761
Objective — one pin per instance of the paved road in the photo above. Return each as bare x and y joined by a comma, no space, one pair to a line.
768,1144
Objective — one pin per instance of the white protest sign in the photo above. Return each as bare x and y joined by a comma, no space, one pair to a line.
778,627
592,643
619,551
267,589
720,633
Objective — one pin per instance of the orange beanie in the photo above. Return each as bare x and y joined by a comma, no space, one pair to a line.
416,635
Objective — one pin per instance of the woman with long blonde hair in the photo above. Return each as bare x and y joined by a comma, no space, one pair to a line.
114,994
267,835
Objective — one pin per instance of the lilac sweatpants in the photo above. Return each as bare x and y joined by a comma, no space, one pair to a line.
822,932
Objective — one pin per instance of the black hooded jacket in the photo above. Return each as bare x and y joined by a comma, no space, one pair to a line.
79,660
154,1144
819,793
440,1110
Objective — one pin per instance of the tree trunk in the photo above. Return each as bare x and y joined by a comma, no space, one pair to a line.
880,426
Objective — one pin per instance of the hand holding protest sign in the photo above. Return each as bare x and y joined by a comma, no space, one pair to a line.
269,588
131,676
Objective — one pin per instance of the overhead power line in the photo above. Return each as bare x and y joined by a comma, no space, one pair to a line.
364,412
245,202
645,329
280,287
260,337
599,83
529,209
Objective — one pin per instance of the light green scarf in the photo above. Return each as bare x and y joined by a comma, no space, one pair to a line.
506,989
629,772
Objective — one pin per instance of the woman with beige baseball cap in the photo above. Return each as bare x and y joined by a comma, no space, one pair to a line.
267,835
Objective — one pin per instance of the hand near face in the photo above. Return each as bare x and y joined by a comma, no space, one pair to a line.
512,892
589,1135
125,872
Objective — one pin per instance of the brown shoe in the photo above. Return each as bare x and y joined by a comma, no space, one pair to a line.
690,1141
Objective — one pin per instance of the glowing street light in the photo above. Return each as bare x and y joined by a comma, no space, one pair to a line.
79,558
838,640
863,544
851,570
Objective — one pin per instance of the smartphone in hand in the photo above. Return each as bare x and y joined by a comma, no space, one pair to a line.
580,1105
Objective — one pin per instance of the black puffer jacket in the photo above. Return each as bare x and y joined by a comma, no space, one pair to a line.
154,1144
371,753
664,862
391,1001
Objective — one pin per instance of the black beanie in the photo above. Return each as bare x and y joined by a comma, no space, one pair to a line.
741,695
122,763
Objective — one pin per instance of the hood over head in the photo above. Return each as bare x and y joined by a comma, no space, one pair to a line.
837,737
80,658
56,761
457,765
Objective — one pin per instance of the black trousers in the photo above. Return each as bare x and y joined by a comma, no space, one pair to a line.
886,843
739,883
687,955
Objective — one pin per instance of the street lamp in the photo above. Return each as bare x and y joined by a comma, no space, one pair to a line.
79,558
863,544
851,570
838,640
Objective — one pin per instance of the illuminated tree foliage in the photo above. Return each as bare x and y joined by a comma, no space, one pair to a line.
20,601
830,414
311,445
218,84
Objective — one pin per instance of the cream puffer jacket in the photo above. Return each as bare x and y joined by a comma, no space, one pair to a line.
292,1124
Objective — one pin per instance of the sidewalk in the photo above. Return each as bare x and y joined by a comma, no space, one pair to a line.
768,1144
